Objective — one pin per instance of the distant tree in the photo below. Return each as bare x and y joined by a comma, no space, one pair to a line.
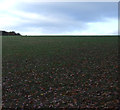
12,33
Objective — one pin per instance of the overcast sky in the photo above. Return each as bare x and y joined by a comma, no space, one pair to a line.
80,18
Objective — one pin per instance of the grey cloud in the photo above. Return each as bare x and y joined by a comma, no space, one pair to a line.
70,16
79,11
53,28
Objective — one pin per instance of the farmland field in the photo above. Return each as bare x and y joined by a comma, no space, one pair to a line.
64,72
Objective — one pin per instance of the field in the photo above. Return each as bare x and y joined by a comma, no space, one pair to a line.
66,72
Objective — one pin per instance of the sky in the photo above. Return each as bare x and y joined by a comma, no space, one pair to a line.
31,17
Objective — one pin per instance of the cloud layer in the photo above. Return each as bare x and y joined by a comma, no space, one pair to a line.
59,18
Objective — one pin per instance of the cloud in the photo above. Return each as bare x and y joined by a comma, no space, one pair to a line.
107,27
59,18
78,11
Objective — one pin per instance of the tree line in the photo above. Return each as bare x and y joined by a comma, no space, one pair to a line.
11,33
